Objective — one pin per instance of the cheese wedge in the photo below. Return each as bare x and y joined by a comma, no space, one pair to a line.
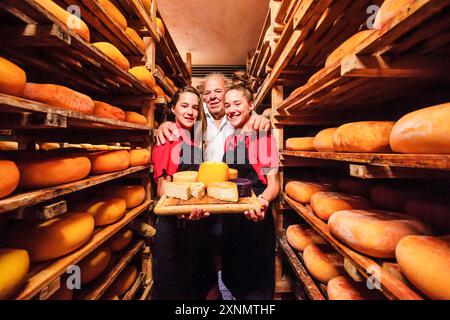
177,190
198,189
225,191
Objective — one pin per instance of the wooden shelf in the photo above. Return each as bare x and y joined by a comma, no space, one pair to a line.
21,200
420,161
147,292
312,290
43,274
391,286
138,284
163,83
101,285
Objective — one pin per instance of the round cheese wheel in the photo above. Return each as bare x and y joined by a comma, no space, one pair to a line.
160,26
425,261
344,288
347,48
114,54
374,232
133,195
323,141
364,136
210,172
94,264
105,211
52,172
106,110
232,173
389,10
120,240
323,262
159,91
63,293
434,211
134,36
139,157
14,266
50,146
185,176
423,131
300,236
114,13
9,145
134,117
391,198
124,281
112,161
12,78
355,186
300,144
10,177
302,191
147,4
144,75
325,204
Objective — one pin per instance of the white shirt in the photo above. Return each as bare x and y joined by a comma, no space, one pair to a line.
215,137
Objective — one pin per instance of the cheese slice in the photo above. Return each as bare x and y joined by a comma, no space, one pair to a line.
177,190
226,191
198,189
185,176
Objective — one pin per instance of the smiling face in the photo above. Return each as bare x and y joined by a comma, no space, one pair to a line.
186,110
237,108
214,95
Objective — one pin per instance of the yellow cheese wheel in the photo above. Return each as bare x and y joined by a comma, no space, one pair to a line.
114,13
389,10
133,195
425,261
232,173
139,157
143,74
120,240
323,262
300,236
434,211
50,146
160,26
347,48
364,136
9,145
124,281
355,186
71,21
114,54
134,117
105,211
423,131
302,191
111,161
14,266
52,172
12,78
210,172
374,232
325,204
10,177
63,293
59,97
185,176
344,288
323,141
389,197
300,144
94,264
147,4
136,38
106,110
159,91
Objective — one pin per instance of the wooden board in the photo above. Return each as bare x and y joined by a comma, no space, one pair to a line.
138,284
172,206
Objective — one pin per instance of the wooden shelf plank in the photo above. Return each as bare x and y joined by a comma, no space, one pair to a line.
138,284
387,172
147,292
161,79
34,197
391,286
43,274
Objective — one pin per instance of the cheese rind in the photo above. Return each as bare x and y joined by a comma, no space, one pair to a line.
178,190
10,177
300,236
344,288
120,240
14,266
232,173
94,264
144,75
106,110
114,13
113,53
302,191
124,281
323,141
12,78
210,172
389,10
105,211
139,157
111,161
185,176
133,195
225,191
136,38
324,204
300,144
323,262
134,117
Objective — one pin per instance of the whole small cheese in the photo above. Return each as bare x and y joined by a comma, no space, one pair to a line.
198,189
232,173
177,190
226,191
244,187
210,172
185,176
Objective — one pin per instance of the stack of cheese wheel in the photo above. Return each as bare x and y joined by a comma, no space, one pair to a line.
114,54
344,288
423,131
12,78
59,97
124,281
106,110
139,157
323,141
14,266
302,191
106,162
301,236
432,210
120,240
364,136
144,75
324,204
389,10
71,21
392,197
94,264
105,211
300,144
323,262
355,186
114,13
10,177
133,195
63,293
52,172
134,117
136,38
425,261
211,172
374,232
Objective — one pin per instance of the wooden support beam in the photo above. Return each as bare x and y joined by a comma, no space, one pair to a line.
189,62
34,35
387,172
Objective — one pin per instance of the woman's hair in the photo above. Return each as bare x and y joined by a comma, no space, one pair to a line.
240,81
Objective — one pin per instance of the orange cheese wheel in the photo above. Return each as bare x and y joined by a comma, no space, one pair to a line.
105,211
344,288
323,262
72,22
425,261
10,177
106,110
300,144
12,78
300,236
139,157
144,75
160,26
211,172
124,281
325,204
232,174
159,91
111,161
120,240
434,211
392,198
302,191
114,54
364,136
347,48
134,117
323,141
423,131
389,10
170,81
59,97
134,36
355,186
133,195
114,13
52,172
14,266
374,232
63,293
94,264
147,4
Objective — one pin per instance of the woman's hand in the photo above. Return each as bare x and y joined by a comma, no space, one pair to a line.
258,214
196,214
166,130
